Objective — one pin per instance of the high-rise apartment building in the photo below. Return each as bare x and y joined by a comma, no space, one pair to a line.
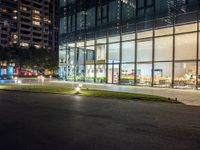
29,23
131,42
8,22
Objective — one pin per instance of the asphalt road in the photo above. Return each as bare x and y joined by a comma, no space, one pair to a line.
30,121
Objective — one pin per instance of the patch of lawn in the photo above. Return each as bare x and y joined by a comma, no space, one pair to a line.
126,96
37,88
86,92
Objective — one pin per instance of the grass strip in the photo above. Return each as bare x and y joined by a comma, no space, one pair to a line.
86,92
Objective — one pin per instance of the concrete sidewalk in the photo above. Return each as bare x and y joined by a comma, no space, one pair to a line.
186,96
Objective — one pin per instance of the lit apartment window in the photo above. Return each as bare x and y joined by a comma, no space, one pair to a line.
36,23
23,44
23,8
15,11
36,17
36,11
15,36
15,17
37,46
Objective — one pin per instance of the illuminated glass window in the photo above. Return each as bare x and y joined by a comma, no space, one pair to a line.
144,50
186,46
163,48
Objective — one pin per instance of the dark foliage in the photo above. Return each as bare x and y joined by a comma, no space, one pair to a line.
30,58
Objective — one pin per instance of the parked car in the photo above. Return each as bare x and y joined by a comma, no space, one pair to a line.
28,73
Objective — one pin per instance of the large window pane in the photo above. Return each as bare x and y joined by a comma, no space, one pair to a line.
114,39
163,74
101,73
186,28
144,50
113,73
101,41
144,74
127,74
113,56
101,54
198,77
163,48
90,18
80,56
80,73
90,42
89,75
186,46
185,74
70,73
164,31
127,37
145,34
128,51
80,44
128,10
71,56
199,44
114,11
90,55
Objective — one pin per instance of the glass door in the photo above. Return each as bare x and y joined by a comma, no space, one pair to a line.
113,73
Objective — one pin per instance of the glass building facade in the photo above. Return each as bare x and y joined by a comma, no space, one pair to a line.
132,42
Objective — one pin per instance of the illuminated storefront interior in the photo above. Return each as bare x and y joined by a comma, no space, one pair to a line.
145,53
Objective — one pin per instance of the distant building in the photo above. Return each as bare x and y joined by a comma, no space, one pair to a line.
131,42
29,23
8,22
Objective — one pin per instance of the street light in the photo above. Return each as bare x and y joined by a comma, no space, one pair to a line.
19,81
80,85
77,89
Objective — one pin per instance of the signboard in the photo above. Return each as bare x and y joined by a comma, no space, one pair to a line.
2,73
10,70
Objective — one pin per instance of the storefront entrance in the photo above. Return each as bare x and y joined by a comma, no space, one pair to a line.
113,73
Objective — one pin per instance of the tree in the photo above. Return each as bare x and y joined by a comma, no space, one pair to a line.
34,58
3,53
